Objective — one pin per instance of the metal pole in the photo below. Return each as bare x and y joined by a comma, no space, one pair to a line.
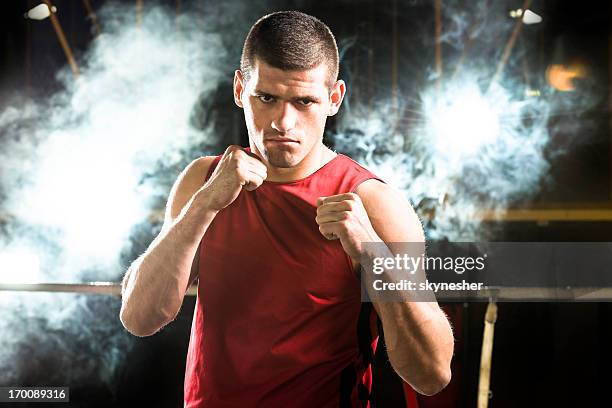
371,90
62,39
394,62
510,44
610,103
505,294
100,288
92,15
438,31
486,355
28,61
139,7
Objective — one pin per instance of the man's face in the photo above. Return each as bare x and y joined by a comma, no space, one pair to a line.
285,111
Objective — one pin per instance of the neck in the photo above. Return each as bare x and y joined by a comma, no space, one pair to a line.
313,161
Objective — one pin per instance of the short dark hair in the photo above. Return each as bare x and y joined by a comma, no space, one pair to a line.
292,41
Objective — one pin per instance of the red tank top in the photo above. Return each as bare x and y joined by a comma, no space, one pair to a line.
279,320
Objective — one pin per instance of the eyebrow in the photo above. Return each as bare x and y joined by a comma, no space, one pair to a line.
296,98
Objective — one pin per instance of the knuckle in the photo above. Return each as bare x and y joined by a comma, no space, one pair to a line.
237,155
229,152
232,148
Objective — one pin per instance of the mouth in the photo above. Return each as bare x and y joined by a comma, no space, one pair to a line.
281,140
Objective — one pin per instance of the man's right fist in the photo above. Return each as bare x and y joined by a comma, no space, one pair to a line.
236,170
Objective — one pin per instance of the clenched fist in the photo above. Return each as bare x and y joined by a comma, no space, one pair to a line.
236,170
344,217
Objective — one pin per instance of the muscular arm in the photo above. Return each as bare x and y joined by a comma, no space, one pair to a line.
418,335
155,284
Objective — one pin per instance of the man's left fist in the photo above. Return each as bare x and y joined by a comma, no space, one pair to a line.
344,217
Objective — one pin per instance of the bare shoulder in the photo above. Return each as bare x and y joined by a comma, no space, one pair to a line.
390,213
188,182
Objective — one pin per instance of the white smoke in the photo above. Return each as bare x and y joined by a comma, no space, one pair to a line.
464,144
78,170
76,178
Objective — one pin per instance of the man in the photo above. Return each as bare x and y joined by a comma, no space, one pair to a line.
275,233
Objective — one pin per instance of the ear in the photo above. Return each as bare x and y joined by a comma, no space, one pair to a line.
336,97
238,87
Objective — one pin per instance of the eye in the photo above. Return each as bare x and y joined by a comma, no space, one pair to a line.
305,102
265,98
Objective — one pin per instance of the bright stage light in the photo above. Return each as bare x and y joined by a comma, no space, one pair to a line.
40,12
87,193
516,13
529,17
462,121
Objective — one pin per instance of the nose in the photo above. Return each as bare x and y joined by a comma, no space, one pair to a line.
285,118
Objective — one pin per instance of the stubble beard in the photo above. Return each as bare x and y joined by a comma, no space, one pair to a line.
283,159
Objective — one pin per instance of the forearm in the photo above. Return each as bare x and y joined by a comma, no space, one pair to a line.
419,342
418,336
155,284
